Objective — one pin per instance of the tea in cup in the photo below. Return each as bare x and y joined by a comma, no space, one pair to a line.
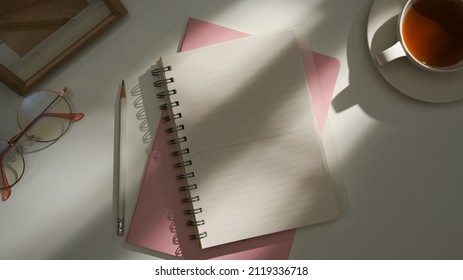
430,34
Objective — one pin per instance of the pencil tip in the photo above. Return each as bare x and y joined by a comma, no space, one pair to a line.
123,95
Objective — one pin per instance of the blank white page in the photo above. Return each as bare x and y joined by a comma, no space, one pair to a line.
252,139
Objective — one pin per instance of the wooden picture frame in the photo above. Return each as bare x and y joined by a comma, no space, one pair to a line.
22,69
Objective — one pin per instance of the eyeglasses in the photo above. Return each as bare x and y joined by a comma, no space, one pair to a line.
43,116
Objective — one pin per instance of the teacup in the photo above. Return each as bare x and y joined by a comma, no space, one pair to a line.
430,35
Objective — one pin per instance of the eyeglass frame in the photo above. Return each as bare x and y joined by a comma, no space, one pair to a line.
6,189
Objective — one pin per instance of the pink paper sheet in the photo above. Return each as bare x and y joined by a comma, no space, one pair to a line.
158,222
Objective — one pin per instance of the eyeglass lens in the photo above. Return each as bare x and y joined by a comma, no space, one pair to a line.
44,116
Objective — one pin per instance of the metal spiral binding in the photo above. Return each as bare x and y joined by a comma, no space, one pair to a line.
183,164
164,94
198,236
175,128
172,117
166,106
180,152
188,188
191,223
168,93
193,211
162,82
177,140
156,72
186,176
192,199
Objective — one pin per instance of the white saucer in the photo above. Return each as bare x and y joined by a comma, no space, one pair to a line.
401,73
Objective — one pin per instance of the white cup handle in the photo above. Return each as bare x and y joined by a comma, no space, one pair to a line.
390,54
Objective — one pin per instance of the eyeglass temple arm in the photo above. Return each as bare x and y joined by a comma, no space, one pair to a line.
6,190
70,116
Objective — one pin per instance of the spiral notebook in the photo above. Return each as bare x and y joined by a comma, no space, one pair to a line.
248,148
158,222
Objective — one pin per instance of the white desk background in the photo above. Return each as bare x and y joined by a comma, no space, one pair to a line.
402,159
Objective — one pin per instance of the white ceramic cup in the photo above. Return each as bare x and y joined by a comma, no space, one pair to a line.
400,49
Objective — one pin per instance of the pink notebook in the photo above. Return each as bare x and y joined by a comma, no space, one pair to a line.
158,222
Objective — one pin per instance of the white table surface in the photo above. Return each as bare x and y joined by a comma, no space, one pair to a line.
402,159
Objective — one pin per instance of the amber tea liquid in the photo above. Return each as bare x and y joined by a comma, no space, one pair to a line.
433,32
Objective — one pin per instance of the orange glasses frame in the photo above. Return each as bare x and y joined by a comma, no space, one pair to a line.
6,191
